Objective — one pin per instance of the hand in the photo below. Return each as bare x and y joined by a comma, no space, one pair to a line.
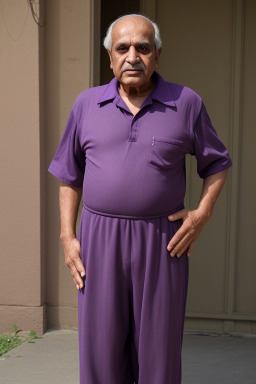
72,252
185,237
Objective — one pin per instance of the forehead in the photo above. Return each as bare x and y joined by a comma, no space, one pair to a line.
132,28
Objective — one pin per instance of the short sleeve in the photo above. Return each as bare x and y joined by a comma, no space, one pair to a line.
68,163
211,154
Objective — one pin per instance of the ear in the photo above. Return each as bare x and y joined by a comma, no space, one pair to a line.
110,57
158,53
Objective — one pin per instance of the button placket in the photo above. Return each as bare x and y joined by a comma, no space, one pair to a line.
135,121
133,134
133,130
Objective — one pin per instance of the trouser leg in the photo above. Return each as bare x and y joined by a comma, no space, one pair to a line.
103,303
159,291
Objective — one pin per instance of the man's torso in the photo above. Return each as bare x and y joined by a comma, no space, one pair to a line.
135,165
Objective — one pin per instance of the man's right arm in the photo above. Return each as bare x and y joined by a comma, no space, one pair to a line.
69,200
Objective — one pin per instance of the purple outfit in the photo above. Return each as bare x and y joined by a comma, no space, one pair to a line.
132,169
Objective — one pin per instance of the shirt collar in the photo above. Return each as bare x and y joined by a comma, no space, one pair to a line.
161,92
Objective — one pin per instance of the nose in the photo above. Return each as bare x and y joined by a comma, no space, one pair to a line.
132,55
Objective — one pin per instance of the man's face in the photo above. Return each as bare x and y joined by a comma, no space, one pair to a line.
133,57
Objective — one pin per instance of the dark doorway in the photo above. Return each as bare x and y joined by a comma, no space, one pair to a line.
111,10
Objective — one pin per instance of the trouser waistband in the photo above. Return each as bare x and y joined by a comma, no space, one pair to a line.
132,217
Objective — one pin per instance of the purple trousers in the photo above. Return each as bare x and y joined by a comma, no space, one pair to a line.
131,309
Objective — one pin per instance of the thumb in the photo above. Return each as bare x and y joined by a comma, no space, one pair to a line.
178,215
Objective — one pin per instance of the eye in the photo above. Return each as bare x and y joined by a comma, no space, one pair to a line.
122,49
143,48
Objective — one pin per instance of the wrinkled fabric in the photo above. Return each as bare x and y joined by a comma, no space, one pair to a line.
132,306
134,166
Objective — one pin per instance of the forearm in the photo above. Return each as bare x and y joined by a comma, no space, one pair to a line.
211,189
69,200
194,220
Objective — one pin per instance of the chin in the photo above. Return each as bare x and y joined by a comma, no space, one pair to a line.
133,79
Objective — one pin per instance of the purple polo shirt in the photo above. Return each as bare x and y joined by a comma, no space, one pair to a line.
134,166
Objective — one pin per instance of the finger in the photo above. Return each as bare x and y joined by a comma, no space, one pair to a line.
182,250
76,277
77,285
184,243
191,247
178,215
79,266
181,247
178,237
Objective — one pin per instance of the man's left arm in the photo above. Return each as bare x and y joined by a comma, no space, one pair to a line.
194,220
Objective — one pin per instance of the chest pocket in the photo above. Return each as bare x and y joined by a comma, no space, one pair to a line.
166,153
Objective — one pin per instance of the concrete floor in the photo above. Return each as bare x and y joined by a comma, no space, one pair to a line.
207,359
222,359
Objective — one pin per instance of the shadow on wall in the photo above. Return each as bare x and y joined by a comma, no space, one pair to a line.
111,10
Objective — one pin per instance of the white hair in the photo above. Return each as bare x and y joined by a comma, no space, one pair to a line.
108,38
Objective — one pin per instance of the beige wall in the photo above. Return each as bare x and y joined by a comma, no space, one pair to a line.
42,71
70,35
21,299
246,262
210,46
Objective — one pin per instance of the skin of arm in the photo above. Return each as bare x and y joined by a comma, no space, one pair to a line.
194,220
69,200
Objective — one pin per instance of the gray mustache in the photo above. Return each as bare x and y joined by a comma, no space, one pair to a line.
133,67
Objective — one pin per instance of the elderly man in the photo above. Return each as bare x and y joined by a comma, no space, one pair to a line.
124,150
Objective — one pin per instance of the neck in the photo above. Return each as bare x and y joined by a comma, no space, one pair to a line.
137,91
